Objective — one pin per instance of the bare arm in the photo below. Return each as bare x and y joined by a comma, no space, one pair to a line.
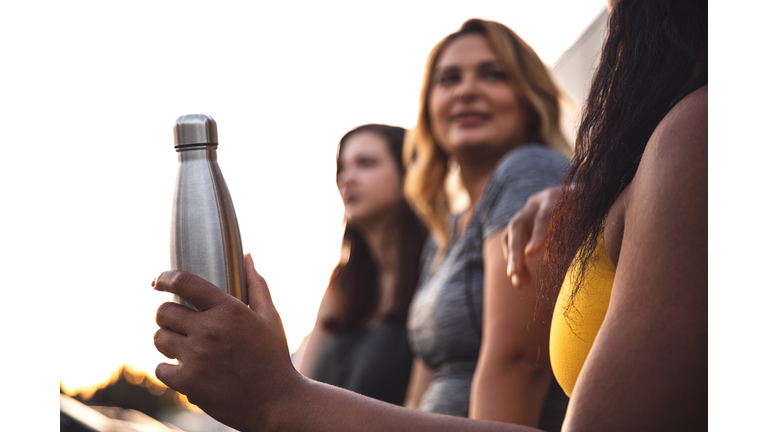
319,407
512,375
648,366
254,386
421,375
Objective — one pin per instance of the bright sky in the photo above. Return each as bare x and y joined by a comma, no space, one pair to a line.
89,96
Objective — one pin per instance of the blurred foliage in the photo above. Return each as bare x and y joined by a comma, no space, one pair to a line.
132,390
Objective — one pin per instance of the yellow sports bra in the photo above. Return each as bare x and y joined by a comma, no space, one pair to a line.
571,337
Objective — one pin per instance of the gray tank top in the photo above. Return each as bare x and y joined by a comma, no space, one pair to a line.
445,318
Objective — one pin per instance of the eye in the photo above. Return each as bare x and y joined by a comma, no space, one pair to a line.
495,75
367,162
447,78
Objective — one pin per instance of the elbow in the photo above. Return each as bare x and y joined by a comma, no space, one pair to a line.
510,387
534,369
519,364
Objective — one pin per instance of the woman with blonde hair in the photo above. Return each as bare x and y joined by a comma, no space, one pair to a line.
489,108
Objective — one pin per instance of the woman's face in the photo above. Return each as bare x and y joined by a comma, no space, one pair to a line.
369,181
472,109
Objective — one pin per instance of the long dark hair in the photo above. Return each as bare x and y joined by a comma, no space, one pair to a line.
355,280
655,54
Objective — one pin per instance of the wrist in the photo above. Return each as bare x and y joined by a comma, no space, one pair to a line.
275,412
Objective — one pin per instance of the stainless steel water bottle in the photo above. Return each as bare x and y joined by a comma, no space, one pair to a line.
205,237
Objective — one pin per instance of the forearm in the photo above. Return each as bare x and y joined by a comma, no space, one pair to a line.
513,373
319,407
511,392
421,375
254,387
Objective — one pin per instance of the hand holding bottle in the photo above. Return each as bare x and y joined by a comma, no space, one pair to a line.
233,359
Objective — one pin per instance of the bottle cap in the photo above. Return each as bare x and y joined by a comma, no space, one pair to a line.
195,129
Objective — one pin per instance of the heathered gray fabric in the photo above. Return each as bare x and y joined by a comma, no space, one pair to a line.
445,319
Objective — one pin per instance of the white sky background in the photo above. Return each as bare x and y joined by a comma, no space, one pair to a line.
88,97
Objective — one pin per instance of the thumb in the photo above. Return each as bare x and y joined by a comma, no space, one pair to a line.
259,298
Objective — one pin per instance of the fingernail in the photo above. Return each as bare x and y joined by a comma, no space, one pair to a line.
515,281
153,282
510,268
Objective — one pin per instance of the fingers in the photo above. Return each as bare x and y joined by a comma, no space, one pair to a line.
169,343
258,293
176,317
540,231
505,249
522,278
170,375
197,291
527,233
519,233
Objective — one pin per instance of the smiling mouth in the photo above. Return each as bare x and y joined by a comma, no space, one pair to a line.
470,119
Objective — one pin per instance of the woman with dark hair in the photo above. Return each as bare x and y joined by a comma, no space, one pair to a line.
359,341
631,225
628,237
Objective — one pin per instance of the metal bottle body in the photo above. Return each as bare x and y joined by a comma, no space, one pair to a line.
205,236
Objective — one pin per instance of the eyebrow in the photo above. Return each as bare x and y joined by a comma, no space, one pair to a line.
481,65
362,155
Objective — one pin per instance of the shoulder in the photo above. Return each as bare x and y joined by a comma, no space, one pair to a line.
671,179
526,170
531,158
691,110
532,164
666,208
685,124
519,174
677,150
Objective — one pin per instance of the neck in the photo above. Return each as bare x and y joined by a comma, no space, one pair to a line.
476,168
474,176
378,237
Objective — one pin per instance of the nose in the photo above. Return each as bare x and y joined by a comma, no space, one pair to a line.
346,176
466,90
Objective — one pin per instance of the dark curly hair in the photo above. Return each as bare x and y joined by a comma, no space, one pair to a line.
655,54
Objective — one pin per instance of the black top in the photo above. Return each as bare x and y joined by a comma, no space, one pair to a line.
374,362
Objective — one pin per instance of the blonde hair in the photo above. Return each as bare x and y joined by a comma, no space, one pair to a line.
427,165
